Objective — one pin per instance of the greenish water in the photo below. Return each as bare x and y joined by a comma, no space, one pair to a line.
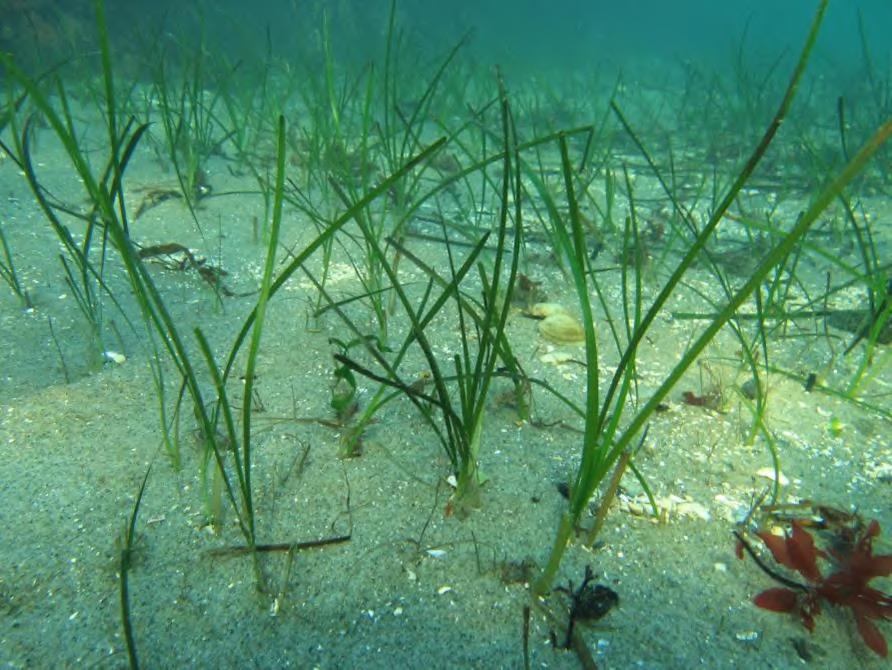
368,557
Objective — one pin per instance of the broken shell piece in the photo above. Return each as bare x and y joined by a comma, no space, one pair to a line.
114,357
542,310
561,328
693,509
768,473
732,510
556,357
667,507
881,472
748,636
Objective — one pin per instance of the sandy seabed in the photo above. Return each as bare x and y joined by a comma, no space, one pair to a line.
412,587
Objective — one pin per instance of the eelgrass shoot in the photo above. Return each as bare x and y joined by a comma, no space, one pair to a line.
108,216
125,562
606,436
229,442
455,407
9,275
83,260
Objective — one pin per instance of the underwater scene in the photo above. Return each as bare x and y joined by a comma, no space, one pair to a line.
414,334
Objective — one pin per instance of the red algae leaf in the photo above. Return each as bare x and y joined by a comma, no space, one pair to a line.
777,600
868,566
873,638
809,610
847,586
802,553
777,545
873,530
796,551
869,603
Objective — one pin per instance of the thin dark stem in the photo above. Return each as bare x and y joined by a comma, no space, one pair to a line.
242,549
768,570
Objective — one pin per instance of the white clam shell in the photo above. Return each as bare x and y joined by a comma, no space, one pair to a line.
542,310
561,328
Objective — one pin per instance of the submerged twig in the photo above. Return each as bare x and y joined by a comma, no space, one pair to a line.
242,549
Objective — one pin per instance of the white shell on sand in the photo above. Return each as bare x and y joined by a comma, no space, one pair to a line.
556,357
542,310
768,473
561,328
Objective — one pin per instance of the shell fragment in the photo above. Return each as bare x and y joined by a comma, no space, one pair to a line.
561,329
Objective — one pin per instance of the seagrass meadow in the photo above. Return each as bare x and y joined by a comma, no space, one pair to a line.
360,335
